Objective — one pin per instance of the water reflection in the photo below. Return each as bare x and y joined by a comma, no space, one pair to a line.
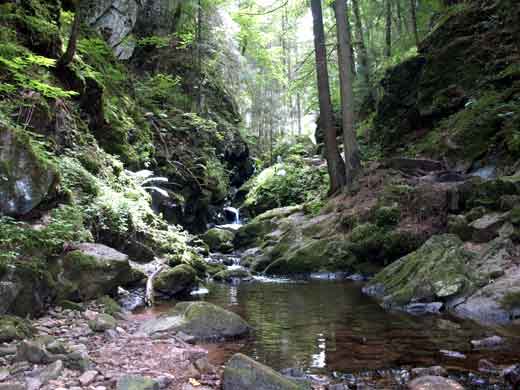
324,326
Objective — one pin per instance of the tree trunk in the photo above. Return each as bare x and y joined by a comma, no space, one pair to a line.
346,76
361,47
199,57
68,56
388,35
335,164
413,14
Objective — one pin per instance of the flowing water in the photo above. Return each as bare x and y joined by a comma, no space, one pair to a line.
325,326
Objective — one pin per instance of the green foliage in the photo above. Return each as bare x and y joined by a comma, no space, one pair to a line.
287,184
159,91
511,300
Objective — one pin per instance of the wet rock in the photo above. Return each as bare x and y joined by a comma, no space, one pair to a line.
176,280
487,367
512,376
93,270
424,308
452,354
429,371
102,323
434,383
136,382
199,319
219,240
229,275
244,373
26,178
488,343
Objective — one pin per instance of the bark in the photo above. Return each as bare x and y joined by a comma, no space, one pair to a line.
361,47
388,35
335,164
346,76
68,56
199,57
413,14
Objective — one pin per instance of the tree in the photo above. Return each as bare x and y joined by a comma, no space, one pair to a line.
68,56
335,164
388,32
361,47
346,76
413,14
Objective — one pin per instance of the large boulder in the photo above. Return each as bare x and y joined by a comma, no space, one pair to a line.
244,373
136,382
27,178
437,271
93,270
219,240
176,280
14,328
199,319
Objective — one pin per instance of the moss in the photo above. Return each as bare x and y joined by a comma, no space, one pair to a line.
515,216
435,271
511,300
252,234
14,328
109,305
229,274
387,216
69,305
176,280
219,240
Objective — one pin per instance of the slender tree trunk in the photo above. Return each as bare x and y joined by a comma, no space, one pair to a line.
199,57
335,164
68,56
399,18
346,76
413,14
388,35
361,47
298,98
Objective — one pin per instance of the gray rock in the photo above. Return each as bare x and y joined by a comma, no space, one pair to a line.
102,323
136,382
424,308
26,178
487,227
199,319
176,280
512,375
33,352
488,343
87,377
429,371
434,383
12,386
244,373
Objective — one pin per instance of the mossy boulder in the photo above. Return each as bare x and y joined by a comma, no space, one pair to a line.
27,177
199,319
437,271
244,373
102,323
231,274
176,280
458,225
93,270
136,382
14,328
253,233
219,240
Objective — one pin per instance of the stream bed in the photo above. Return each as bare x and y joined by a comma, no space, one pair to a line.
329,327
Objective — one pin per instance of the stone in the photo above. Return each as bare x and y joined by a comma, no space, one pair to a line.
102,323
14,328
414,165
487,367
199,319
429,371
437,271
26,176
176,280
231,274
512,375
88,377
33,352
488,343
434,383
244,373
136,382
219,240
93,270
12,386
487,227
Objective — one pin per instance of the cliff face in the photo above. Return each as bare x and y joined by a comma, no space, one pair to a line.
458,99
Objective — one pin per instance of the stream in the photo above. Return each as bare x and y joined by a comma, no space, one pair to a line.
328,327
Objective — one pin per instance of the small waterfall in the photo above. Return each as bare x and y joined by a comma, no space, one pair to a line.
235,213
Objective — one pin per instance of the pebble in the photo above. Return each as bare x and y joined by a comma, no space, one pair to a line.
87,377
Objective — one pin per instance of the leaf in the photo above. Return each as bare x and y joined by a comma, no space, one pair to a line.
194,382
